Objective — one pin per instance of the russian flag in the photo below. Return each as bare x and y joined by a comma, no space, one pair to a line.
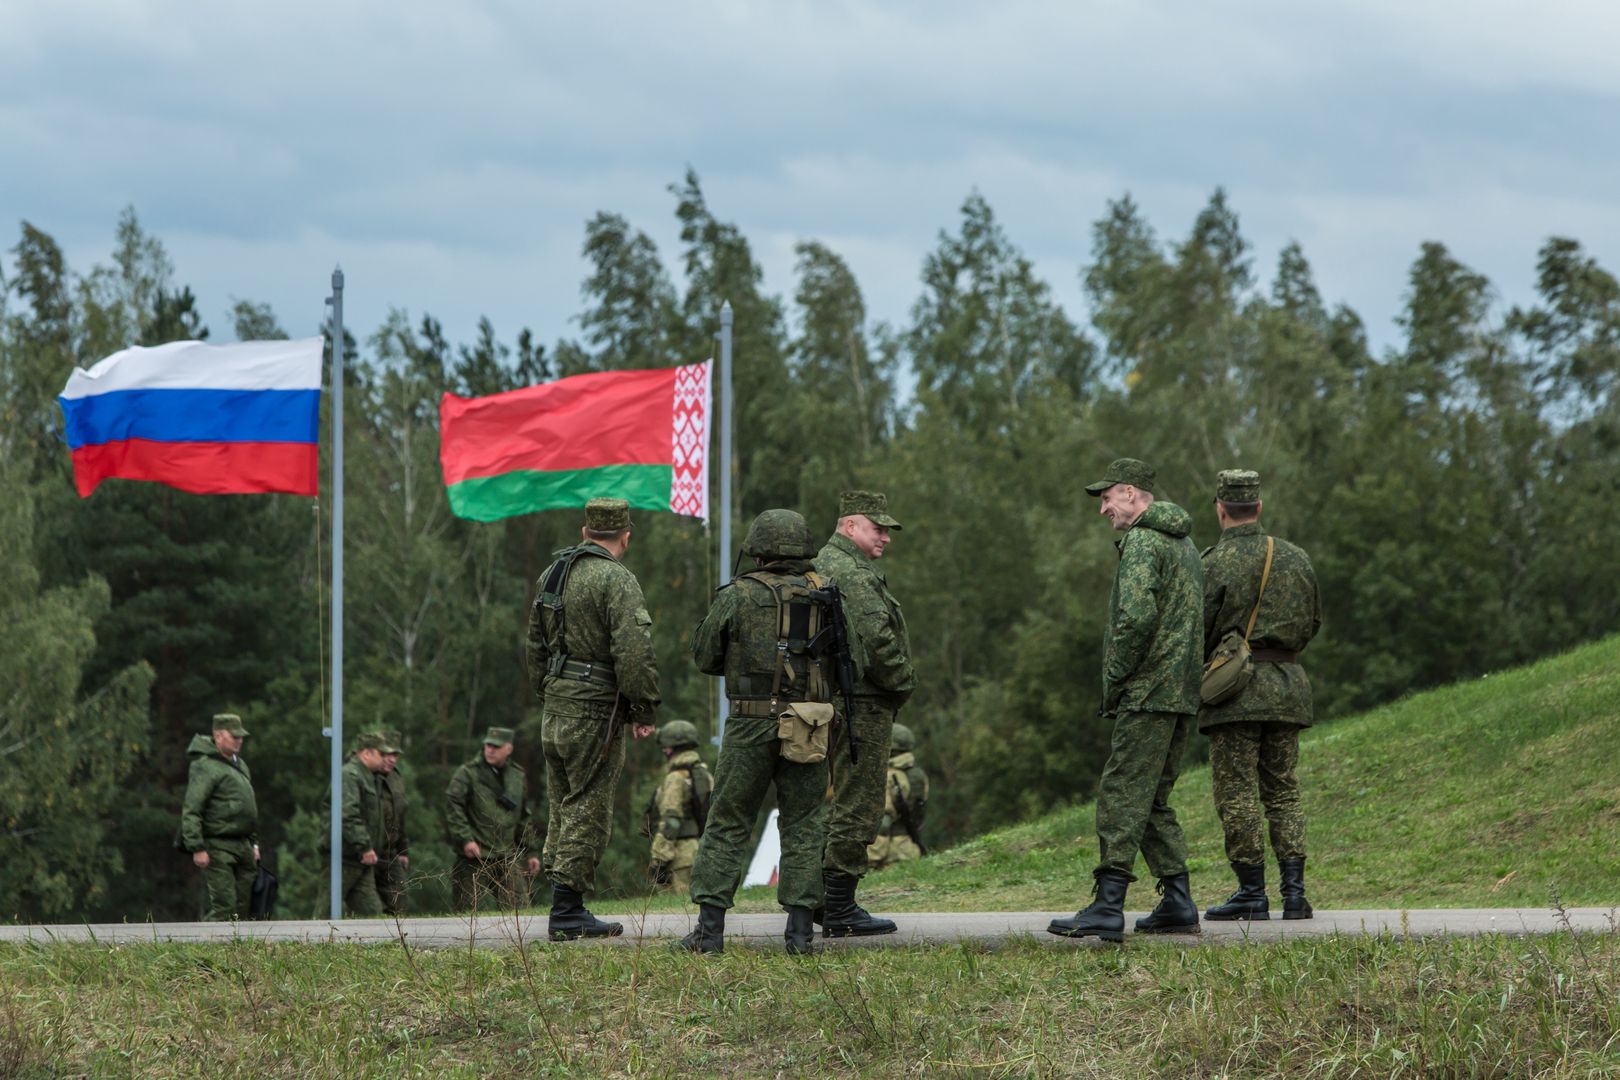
213,419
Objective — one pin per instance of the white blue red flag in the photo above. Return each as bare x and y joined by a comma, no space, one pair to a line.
213,419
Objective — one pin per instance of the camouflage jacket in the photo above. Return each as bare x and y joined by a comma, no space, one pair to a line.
1290,616
905,797
391,790
876,619
219,802
362,811
605,620
674,802
1153,645
473,810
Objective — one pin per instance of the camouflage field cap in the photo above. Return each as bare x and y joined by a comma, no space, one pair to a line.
393,742
1237,486
1125,470
229,721
872,504
607,515
369,740
498,736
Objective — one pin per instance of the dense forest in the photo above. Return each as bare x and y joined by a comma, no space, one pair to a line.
1458,493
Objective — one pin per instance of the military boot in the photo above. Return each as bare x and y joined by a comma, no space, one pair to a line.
1176,912
709,935
1292,872
842,916
1249,902
800,934
571,920
1105,918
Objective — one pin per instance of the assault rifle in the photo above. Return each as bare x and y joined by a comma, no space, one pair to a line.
832,642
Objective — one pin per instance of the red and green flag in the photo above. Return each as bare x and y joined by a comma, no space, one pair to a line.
641,436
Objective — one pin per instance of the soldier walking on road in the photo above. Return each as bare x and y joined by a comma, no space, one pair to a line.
362,825
1152,648
1254,736
219,821
487,813
591,663
679,808
850,559
393,858
904,802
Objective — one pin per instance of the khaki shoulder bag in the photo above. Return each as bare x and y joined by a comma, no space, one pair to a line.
1231,666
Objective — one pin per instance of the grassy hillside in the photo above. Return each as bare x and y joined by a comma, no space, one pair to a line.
1494,792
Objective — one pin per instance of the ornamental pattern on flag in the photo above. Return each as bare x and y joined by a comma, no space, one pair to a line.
689,489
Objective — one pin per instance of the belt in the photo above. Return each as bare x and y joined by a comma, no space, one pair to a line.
771,707
1274,656
591,671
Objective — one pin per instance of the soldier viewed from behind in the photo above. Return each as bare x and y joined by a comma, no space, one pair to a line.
591,663
905,799
362,825
487,815
1263,590
850,559
675,816
768,634
1152,648
219,821
393,858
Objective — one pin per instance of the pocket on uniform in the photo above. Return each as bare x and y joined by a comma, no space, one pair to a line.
803,727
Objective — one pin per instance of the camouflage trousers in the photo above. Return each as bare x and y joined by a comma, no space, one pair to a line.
1133,797
228,879
580,783
392,879
360,896
856,810
888,850
1252,766
750,761
493,882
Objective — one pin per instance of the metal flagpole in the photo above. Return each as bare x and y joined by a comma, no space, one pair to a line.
725,483
335,732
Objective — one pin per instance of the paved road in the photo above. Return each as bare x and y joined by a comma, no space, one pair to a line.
991,928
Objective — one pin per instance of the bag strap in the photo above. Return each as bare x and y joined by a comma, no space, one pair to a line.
1265,575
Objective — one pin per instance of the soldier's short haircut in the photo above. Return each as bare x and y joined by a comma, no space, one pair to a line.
1241,511
599,536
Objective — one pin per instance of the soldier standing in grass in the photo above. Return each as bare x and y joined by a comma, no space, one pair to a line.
219,821
393,859
1152,652
487,814
1254,736
362,825
850,559
905,800
679,808
591,663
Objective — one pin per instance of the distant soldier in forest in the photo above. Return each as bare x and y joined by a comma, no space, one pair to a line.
765,634
487,816
591,663
1152,653
393,858
1264,589
679,808
219,820
362,825
850,559
904,802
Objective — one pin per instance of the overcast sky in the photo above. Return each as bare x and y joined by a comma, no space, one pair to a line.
448,155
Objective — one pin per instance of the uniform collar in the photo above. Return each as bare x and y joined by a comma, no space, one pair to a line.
1248,528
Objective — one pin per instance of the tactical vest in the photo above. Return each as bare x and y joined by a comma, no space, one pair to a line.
769,658
698,797
554,620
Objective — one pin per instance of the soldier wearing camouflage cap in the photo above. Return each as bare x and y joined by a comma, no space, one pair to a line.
1254,736
1152,665
678,809
393,858
219,820
591,663
850,558
362,825
487,815
905,800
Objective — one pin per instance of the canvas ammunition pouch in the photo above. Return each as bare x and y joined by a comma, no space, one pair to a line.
1230,667
803,728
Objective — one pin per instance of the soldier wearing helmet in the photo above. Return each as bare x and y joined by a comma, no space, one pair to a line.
905,799
678,808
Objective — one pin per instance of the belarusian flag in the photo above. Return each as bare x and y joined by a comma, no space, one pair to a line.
641,436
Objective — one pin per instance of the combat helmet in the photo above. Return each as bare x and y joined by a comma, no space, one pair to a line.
901,740
779,534
677,733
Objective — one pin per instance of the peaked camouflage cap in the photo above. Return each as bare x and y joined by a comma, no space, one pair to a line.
229,721
1125,470
369,740
872,504
393,742
1237,486
607,515
498,736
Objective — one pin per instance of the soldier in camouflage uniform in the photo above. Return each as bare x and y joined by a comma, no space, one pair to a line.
590,657
393,858
905,801
487,814
850,559
219,820
759,634
675,817
1152,653
362,825
1254,737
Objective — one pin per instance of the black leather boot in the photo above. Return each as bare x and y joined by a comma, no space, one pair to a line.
800,934
1105,918
842,916
1292,872
1176,913
709,935
1249,902
570,920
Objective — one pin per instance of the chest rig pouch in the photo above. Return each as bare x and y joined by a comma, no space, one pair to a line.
796,688
550,602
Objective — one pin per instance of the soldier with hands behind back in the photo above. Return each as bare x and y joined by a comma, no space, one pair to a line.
393,858
219,820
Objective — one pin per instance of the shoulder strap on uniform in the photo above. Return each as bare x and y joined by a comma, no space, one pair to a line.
1265,576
